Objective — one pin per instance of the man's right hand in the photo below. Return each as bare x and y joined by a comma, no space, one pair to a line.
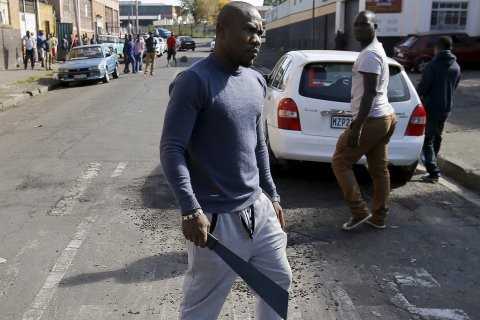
196,229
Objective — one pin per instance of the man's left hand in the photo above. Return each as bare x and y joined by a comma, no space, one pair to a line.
279,212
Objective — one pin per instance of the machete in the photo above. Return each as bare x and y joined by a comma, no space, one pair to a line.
274,295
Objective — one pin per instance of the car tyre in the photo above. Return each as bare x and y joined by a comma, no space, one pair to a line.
401,175
106,78
115,73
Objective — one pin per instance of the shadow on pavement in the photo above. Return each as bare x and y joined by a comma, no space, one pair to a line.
159,267
156,193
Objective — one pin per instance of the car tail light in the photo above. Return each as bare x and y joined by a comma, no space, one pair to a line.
288,117
418,120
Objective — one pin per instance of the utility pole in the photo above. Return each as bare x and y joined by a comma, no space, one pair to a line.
136,26
77,20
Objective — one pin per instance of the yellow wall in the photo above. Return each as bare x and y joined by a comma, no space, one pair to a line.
46,14
14,13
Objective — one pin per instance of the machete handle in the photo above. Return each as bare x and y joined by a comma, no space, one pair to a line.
211,241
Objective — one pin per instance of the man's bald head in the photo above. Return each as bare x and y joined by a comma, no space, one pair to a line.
364,27
239,28
234,11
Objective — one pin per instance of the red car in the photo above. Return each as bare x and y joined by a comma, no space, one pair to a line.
416,51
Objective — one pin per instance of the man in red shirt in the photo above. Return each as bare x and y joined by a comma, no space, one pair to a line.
171,49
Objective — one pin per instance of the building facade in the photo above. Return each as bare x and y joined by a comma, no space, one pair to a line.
149,14
313,24
96,17
10,21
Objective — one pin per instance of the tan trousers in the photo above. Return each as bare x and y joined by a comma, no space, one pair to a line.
374,139
149,61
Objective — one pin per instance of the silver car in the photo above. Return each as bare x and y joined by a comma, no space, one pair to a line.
89,63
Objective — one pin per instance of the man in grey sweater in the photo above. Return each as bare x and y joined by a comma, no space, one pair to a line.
215,158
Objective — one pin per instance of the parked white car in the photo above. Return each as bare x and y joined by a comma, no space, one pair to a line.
307,107
160,47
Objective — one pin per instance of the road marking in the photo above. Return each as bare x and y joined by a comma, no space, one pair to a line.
65,205
3,260
453,186
119,170
44,296
420,278
401,302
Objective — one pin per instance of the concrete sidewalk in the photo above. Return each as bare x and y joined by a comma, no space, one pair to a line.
460,154
18,85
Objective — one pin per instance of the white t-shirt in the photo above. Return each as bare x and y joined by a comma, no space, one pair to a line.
29,43
372,59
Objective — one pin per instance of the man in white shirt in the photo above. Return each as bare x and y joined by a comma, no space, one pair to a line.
372,126
29,50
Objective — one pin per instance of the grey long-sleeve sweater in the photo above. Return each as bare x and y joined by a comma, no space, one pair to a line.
213,148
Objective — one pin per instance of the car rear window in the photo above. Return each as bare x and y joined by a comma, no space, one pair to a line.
333,81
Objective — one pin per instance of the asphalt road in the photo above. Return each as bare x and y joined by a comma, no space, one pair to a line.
89,228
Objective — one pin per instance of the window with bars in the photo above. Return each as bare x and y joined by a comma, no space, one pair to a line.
449,15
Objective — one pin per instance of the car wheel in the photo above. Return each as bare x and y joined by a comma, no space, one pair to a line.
65,84
193,49
106,78
115,73
422,64
401,175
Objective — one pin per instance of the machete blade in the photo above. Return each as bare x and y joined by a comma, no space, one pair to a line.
274,295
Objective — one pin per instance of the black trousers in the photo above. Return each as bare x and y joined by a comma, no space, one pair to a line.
433,141
29,56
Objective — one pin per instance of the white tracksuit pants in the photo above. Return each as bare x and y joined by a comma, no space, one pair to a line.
208,279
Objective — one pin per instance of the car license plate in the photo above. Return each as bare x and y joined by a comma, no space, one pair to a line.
80,76
340,122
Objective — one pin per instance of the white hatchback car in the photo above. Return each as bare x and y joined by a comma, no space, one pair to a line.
307,107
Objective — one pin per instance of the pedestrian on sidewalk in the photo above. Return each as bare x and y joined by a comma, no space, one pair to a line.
217,164
139,47
150,45
370,131
47,55
128,54
53,46
171,49
41,47
437,88
28,50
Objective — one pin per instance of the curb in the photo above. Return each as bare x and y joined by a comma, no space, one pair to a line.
16,99
462,173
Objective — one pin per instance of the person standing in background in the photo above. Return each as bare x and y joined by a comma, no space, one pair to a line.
172,49
47,55
28,50
53,46
41,48
437,88
150,45
139,47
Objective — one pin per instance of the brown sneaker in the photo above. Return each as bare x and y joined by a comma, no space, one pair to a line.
355,222
376,223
